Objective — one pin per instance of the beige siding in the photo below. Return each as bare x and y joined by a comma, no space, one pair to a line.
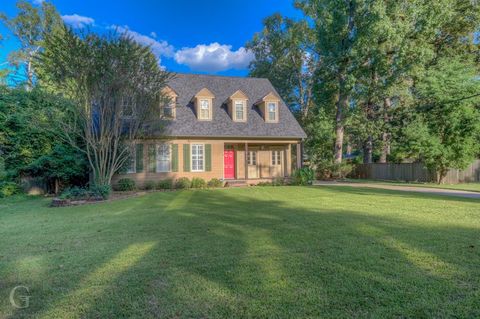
264,161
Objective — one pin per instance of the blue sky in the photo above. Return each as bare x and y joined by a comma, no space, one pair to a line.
205,36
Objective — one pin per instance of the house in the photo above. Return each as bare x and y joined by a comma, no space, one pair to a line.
230,128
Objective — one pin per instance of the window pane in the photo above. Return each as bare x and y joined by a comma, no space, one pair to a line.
163,158
239,110
131,161
197,157
272,111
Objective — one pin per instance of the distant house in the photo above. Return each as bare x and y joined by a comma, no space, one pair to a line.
230,128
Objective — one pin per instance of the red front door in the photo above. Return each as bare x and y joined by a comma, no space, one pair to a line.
228,164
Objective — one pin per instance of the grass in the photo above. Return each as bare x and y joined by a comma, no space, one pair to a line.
472,187
296,252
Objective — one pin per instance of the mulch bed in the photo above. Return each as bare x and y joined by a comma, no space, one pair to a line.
59,202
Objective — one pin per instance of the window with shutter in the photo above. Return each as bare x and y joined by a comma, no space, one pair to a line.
151,158
139,158
174,157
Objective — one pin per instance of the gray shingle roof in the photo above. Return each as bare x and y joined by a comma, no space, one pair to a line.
186,123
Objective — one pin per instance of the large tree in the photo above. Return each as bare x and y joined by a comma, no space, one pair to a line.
30,26
116,85
444,127
284,54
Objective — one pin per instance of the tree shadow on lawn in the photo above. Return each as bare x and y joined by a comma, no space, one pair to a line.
229,254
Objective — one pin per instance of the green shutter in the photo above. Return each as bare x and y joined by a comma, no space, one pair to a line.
208,157
174,157
186,157
152,158
139,158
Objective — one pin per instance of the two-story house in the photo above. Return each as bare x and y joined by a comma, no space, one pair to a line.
230,128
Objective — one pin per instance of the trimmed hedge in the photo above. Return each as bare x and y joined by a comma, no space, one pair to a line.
126,184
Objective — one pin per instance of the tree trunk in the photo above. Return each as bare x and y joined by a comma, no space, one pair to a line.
368,150
342,105
387,103
441,174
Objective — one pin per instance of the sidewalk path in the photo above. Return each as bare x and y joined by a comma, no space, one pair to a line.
428,190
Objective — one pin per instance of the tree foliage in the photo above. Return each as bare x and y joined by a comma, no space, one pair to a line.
116,85
373,60
30,27
28,137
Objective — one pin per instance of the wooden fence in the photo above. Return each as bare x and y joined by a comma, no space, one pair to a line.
415,172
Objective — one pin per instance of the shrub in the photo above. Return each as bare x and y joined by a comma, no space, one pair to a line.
8,189
279,181
303,176
74,193
215,183
165,184
100,191
183,183
264,184
330,170
149,185
341,170
198,182
126,184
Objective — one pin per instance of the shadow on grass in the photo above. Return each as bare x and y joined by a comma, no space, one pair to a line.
259,253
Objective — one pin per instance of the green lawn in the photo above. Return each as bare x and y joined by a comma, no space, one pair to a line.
260,252
472,187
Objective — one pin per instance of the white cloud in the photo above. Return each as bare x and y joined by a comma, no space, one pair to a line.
37,2
159,48
153,34
214,57
77,21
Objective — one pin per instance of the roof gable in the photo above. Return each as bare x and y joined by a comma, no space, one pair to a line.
238,95
205,93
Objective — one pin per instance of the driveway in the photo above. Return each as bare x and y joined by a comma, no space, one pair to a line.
427,190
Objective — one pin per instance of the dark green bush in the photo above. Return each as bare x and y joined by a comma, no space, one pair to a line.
215,183
264,184
96,192
183,183
165,184
330,170
75,193
100,191
8,189
149,185
198,182
126,184
279,181
303,176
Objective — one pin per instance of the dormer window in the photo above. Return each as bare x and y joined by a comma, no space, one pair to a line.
239,110
168,103
203,102
169,110
272,111
237,106
269,107
204,109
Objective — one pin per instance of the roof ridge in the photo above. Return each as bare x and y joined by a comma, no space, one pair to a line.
219,76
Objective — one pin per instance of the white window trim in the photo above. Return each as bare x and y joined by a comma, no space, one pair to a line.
273,156
191,158
157,157
250,157
209,101
268,112
244,108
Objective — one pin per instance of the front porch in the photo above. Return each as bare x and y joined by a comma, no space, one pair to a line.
258,162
